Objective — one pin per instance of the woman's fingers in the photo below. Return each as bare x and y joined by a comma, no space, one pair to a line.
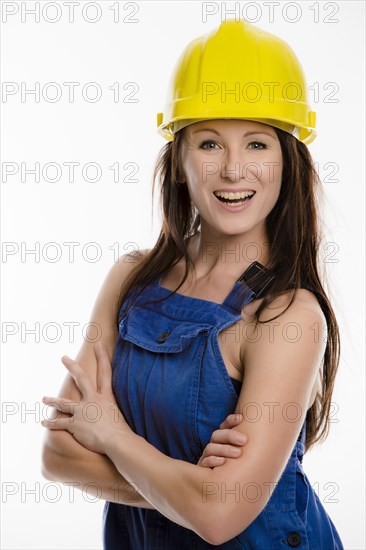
226,442
61,404
59,422
231,420
221,450
81,378
229,436
211,461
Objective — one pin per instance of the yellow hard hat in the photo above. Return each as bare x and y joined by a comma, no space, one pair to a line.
238,71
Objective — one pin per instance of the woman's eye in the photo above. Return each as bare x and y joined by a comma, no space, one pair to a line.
206,142
252,145
257,145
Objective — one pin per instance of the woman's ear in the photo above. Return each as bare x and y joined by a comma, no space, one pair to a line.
181,175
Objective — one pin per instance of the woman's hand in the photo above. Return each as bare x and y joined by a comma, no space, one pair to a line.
95,419
224,443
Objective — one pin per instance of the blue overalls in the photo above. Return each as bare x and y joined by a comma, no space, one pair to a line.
172,386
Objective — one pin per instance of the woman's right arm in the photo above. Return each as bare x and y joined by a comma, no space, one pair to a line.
66,461
63,458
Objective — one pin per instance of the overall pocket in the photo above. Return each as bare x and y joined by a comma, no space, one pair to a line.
157,379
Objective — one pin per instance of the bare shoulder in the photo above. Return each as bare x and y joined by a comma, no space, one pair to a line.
304,300
128,261
125,264
117,273
105,307
303,315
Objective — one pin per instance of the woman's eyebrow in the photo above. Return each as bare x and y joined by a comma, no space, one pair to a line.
244,135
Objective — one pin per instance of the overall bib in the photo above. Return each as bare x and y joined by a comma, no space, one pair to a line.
172,386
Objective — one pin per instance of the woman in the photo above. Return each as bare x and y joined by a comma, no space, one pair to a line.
237,181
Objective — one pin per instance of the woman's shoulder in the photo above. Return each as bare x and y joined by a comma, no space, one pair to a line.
143,251
302,320
127,261
121,268
304,304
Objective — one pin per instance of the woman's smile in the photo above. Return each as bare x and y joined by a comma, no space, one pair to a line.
234,204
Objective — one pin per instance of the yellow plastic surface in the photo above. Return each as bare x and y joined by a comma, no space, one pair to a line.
238,71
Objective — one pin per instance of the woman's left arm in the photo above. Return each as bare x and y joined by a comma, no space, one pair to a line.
281,366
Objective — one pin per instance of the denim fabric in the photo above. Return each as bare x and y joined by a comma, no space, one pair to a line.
173,388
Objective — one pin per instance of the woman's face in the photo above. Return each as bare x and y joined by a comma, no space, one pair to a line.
232,156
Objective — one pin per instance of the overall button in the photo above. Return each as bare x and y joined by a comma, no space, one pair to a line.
293,539
162,337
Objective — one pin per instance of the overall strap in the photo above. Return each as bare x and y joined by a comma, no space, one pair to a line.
250,285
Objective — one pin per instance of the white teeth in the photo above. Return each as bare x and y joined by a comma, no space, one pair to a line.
233,196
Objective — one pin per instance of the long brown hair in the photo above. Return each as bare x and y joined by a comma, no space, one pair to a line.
294,238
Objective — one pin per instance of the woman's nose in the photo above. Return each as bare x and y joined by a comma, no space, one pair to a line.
233,166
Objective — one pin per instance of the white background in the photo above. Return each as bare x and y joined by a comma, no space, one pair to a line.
118,215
